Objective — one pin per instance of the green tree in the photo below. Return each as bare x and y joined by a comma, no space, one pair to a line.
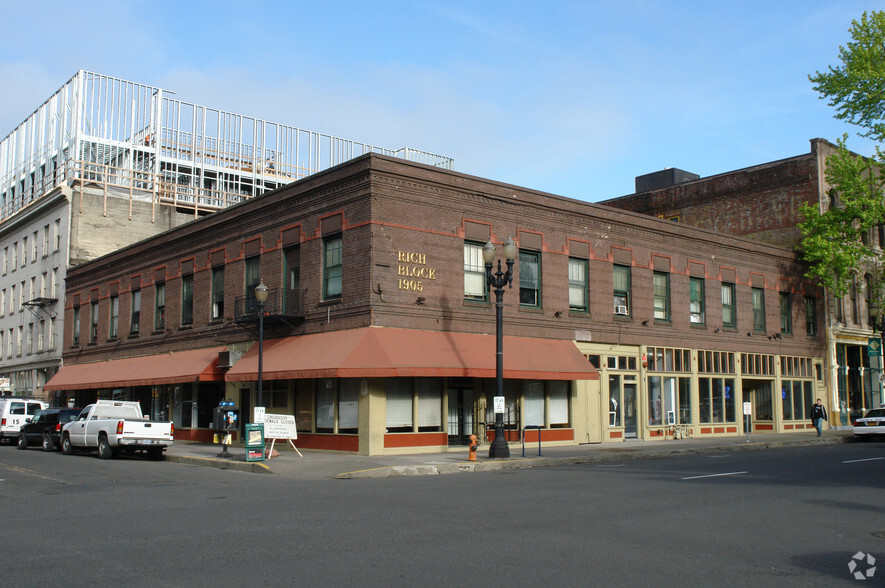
837,242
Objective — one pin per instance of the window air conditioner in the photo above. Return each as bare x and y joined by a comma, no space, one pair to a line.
697,318
621,310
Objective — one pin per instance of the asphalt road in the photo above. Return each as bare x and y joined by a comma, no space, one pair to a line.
785,517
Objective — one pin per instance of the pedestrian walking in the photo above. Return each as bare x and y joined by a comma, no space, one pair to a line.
818,414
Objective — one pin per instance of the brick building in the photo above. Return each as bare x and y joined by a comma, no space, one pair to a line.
379,329
762,203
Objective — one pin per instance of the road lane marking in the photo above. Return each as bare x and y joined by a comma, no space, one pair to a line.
714,475
28,472
867,459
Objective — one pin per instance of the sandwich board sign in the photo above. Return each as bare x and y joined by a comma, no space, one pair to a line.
280,426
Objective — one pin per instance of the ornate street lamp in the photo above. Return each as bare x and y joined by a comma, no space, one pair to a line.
261,298
498,280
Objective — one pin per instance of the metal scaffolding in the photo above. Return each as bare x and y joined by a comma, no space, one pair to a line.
137,141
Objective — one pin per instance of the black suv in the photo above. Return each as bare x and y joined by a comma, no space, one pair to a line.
44,428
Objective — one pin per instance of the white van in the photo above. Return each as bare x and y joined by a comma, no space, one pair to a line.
13,412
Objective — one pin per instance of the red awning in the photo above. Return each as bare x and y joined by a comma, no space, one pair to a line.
149,370
378,352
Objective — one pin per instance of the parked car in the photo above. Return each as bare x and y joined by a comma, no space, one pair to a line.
112,426
871,424
44,429
13,412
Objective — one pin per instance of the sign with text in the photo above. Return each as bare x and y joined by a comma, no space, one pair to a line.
748,408
279,426
874,346
499,405
258,415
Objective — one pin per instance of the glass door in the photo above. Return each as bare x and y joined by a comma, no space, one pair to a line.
460,415
630,410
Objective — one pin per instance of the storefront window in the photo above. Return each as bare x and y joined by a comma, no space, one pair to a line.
429,404
533,403
558,400
669,400
796,398
348,406
716,400
399,405
342,394
325,402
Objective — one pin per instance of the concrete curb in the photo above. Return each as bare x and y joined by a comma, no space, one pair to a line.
602,455
220,463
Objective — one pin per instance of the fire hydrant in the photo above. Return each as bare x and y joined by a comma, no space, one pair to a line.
471,455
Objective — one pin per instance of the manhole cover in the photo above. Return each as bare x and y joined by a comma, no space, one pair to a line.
879,534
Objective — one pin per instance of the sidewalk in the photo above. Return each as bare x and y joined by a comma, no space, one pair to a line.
320,464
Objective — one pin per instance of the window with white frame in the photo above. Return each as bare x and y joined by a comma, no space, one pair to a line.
729,315
621,282
475,287
577,284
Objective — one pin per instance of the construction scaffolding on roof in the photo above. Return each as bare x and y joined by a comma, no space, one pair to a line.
136,140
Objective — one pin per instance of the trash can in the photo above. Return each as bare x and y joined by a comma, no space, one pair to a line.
254,442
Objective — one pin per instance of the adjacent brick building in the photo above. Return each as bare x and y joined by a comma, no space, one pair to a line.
763,203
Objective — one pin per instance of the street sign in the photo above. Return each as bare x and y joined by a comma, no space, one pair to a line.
874,346
499,405
748,408
259,415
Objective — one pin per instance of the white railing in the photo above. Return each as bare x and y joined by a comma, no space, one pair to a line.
137,136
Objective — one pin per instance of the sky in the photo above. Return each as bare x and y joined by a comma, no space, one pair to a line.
570,98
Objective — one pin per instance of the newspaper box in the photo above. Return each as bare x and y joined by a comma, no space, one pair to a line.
254,442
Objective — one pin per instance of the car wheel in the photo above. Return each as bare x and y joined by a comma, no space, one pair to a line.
66,446
48,445
104,448
22,441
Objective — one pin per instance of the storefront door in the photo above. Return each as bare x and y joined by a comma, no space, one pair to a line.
460,417
629,410
758,394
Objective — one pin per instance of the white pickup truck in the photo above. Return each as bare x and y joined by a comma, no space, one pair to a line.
112,426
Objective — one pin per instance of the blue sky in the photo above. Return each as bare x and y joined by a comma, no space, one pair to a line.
572,98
